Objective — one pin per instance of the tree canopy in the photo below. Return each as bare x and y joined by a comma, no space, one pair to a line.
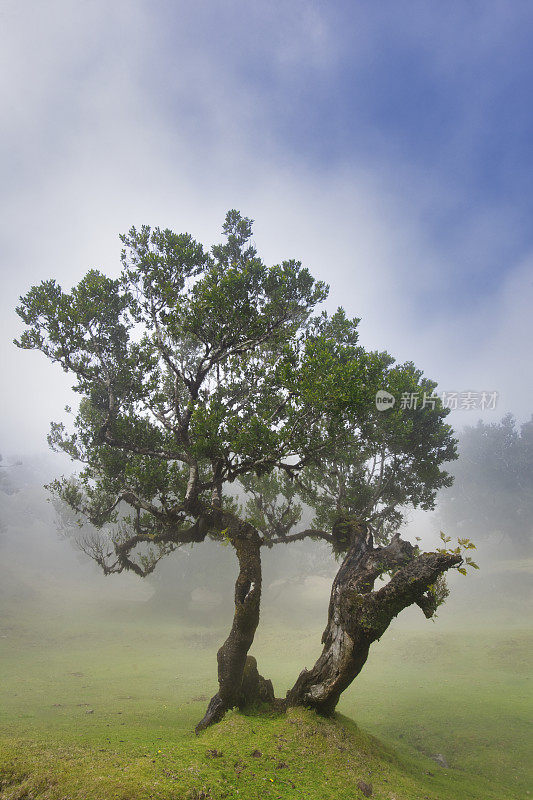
197,368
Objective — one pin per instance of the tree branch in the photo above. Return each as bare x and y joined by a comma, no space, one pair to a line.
295,537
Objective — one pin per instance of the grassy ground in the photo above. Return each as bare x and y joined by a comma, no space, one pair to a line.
98,705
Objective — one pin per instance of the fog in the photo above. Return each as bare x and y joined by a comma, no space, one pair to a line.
130,115
387,147
114,117
43,570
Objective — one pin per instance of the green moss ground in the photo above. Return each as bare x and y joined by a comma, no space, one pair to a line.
103,706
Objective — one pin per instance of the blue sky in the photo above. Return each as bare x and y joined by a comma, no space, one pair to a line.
440,89
387,145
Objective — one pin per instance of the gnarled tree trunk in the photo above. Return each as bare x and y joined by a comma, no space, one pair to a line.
238,679
358,615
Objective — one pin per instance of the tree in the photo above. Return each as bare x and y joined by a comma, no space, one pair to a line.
198,369
492,495
6,485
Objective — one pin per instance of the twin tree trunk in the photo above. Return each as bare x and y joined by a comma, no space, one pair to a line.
238,680
357,616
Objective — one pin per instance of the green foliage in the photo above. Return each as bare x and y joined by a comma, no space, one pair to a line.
272,505
463,545
389,460
199,368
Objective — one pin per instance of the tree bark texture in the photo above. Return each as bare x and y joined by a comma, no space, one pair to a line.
358,615
238,678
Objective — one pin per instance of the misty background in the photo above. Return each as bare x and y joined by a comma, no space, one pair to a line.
387,147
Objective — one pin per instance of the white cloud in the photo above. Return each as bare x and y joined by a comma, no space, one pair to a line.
97,152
